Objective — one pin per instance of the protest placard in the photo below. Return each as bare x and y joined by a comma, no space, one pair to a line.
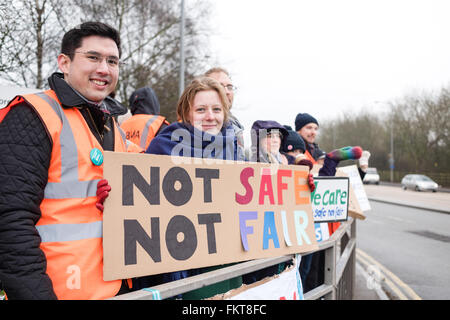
166,213
357,186
322,231
284,286
329,200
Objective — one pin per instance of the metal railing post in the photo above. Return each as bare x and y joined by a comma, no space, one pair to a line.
330,271
353,259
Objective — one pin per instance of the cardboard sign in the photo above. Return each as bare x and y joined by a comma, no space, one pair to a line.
284,286
322,231
354,210
357,186
166,213
330,199
353,207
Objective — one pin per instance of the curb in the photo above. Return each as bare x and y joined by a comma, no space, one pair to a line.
409,205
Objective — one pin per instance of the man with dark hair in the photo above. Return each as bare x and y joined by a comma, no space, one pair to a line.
52,188
312,265
72,39
307,126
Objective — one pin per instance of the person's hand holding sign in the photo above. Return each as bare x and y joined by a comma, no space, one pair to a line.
311,184
301,160
103,189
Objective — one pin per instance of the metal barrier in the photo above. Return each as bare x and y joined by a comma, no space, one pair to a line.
339,277
340,258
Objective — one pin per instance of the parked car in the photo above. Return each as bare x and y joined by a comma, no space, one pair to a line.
371,176
418,182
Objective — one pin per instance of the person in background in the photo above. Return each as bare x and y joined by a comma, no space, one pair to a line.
320,156
363,163
293,147
307,127
203,113
268,137
145,122
52,175
223,77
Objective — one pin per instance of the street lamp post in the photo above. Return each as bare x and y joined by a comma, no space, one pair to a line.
391,160
181,82
391,155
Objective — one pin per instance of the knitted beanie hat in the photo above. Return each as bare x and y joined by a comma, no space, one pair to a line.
293,141
302,119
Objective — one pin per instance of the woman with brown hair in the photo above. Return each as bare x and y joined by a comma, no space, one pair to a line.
202,131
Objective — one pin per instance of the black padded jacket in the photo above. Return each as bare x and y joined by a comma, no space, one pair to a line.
25,151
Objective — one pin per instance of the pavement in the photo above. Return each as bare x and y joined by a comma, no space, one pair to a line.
433,201
439,202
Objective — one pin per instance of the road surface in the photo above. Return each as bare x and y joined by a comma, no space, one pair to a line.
414,244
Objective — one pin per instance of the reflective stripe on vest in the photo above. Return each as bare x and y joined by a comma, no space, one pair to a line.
145,131
142,128
70,232
70,186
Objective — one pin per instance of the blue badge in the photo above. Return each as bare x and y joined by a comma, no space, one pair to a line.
96,157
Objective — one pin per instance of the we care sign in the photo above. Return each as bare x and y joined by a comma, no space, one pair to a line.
330,199
165,213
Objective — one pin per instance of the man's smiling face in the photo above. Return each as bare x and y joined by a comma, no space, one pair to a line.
93,80
309,132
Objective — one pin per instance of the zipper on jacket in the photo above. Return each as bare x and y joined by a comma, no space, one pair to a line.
95,126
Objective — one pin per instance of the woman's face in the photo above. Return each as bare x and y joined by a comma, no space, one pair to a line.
271,142
207,113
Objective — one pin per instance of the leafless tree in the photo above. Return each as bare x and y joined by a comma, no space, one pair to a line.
29,43
150,44
421,133
31,32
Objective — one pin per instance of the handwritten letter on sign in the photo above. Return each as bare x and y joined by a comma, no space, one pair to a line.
166,213
330,199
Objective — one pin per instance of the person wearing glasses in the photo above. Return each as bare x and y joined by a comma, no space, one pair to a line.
223,77
52,187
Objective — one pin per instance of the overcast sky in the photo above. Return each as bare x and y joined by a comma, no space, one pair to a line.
328,56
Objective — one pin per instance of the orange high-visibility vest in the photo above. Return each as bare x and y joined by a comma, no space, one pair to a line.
3,113
310,157
142,128
70,225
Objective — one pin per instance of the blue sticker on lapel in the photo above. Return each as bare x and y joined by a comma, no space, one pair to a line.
96,157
